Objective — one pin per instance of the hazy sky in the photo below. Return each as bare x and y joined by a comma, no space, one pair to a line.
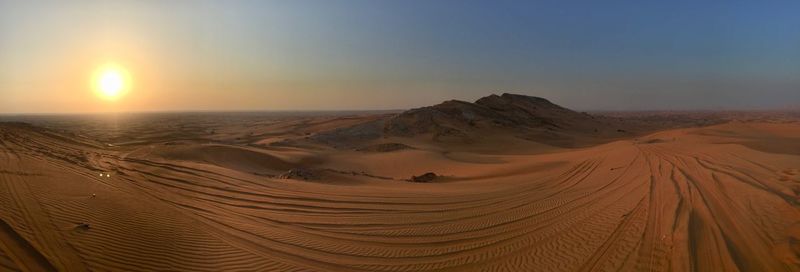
319,55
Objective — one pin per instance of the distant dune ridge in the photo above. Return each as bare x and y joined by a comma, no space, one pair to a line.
507,183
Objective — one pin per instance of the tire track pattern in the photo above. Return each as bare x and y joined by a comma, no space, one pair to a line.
620,206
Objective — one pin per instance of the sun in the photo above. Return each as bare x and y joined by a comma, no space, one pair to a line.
111,82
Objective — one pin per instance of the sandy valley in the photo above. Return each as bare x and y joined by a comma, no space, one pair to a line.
517,184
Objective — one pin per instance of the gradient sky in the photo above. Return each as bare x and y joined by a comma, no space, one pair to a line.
327,54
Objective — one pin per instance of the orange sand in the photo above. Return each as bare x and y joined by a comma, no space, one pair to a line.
717,198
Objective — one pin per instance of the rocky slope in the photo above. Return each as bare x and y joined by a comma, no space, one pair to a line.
526,117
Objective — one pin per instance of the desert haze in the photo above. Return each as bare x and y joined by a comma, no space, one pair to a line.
507,183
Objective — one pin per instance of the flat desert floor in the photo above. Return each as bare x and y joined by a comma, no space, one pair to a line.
198,196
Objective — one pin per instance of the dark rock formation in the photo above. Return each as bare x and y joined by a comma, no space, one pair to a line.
424,178
520,116
527,117
300,174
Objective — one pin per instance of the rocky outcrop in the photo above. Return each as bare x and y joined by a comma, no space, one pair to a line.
424,178
300,174
524,117
527,116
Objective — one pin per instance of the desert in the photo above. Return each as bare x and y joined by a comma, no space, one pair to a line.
516,183
399,136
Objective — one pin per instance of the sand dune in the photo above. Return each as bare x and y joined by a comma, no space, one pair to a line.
715,198
235,158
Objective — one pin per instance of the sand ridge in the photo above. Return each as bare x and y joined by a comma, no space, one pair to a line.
689,199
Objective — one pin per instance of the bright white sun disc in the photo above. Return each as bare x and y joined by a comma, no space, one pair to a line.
110,82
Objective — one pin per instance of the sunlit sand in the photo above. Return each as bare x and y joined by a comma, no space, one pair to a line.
499,190
399,136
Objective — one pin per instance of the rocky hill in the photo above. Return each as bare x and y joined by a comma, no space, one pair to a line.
526,117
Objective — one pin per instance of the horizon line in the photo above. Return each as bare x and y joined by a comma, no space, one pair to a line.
378,111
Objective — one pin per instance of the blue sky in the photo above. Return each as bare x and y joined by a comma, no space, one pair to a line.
298,55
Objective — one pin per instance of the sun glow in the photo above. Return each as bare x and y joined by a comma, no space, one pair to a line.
111,82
